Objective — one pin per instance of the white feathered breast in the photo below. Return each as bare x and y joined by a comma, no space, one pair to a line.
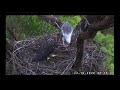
67,31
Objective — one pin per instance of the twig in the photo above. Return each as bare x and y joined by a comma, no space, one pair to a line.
69,67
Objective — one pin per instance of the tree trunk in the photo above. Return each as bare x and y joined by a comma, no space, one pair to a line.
97,23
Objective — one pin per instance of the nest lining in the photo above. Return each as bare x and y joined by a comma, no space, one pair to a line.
60,63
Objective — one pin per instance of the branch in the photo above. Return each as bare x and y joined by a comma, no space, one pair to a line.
97,23
78,63
12,34
101,25
9,48
52,20
94,27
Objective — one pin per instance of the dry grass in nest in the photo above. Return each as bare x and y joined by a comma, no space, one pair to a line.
58,63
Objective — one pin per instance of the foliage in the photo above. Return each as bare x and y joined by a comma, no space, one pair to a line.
25,26
73,20
107,42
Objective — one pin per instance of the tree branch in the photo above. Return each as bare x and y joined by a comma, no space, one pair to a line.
80,46
9,48
94,27
12,34
97,23
101,25
52,20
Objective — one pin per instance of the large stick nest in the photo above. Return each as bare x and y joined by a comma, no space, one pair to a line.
58,63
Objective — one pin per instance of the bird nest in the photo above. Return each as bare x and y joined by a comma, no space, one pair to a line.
57,63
